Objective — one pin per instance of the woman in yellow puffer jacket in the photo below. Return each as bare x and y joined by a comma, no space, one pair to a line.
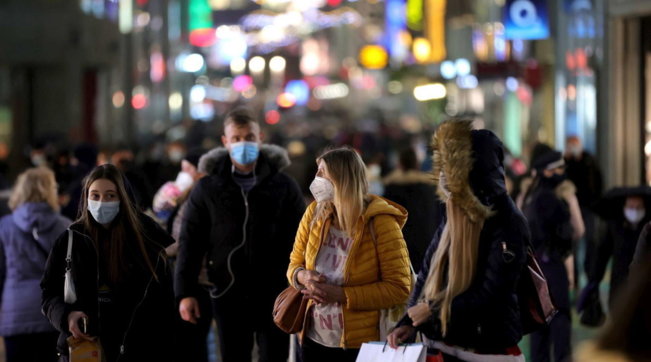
349,258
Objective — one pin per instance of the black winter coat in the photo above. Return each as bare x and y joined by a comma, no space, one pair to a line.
255,231
415,191
619,242
486,316
138,316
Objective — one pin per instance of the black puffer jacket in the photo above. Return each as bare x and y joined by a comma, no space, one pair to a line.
486,316
139,317
256,229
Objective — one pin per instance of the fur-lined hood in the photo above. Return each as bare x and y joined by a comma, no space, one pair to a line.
472,162
400,177
275,155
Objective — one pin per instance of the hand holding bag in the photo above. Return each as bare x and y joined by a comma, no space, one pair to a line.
289,310
69,293
381,352
83,350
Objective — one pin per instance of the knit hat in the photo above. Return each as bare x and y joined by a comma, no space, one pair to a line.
548,161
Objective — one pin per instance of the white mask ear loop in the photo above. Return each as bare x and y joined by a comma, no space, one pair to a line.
443,185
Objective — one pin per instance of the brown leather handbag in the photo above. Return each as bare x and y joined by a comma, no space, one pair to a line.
536,306
289,310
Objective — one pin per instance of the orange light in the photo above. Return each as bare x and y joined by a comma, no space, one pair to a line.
139,101
272,117
286,100
435,29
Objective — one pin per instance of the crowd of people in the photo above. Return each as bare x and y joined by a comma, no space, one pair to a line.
160,252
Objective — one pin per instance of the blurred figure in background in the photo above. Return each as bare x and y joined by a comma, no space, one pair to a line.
38,155
415,191
26,237
124,160
626,336
83,161
192,337
625,212
554,217
582,169
172,194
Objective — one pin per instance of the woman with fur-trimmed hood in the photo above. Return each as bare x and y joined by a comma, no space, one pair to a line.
465,301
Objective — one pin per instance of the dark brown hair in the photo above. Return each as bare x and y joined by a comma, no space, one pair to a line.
239,116
124,228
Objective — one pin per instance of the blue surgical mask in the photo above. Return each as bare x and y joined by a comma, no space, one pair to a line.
244,153
103,212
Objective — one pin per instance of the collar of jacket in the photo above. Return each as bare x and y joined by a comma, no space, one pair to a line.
400,177
272,159
377,206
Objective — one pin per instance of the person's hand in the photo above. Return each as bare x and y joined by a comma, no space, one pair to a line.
419,313
323,293
189,309
307,277
400,335
73,325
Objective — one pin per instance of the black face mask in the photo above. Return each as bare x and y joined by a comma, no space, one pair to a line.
554,180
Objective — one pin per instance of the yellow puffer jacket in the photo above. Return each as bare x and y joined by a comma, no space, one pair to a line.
374,278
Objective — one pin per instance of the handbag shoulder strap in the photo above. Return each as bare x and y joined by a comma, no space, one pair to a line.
69,252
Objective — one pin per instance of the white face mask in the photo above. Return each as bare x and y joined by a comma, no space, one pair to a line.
322,189
634,216
103,212
183,181
176,156
575,150
39,160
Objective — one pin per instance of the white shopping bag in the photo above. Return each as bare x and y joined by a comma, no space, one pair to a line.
381,352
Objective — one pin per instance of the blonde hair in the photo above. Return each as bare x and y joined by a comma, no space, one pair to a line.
348,173
35,185
454,263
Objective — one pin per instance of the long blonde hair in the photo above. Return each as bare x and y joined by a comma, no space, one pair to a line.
454,263
35,185
348,173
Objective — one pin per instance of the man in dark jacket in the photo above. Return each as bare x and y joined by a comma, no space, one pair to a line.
623,229
242,218
415,191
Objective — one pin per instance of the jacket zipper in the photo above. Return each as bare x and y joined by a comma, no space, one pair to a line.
133,314
354,247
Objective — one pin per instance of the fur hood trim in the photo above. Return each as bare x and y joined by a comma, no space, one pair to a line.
399,177
276,155
453,154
